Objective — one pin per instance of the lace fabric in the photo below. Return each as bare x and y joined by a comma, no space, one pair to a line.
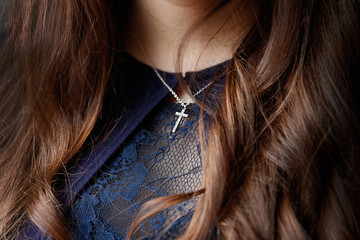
152,162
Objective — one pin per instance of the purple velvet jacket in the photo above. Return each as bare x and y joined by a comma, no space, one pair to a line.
143,92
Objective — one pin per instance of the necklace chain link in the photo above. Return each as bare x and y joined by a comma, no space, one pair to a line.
181,114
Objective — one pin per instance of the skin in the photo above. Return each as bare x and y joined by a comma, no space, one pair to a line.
160,26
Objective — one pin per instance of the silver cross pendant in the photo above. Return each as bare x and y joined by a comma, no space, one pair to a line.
180,115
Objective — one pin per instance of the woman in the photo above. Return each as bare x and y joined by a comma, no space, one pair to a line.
97,119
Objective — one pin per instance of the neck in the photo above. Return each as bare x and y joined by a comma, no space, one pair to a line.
161,25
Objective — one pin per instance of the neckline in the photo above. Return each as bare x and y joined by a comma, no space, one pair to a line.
202,73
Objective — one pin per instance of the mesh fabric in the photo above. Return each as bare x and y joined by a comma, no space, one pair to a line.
153,162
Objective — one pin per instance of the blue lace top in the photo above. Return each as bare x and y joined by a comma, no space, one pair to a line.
152,162
139,159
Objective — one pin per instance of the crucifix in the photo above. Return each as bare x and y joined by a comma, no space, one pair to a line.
181,115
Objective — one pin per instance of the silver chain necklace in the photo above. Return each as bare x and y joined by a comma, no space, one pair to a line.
181,114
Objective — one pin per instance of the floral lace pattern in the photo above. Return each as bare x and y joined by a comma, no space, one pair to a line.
153,162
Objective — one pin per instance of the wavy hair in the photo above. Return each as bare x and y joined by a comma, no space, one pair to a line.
281,152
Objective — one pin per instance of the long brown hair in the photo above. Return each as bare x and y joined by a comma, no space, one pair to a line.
281,150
